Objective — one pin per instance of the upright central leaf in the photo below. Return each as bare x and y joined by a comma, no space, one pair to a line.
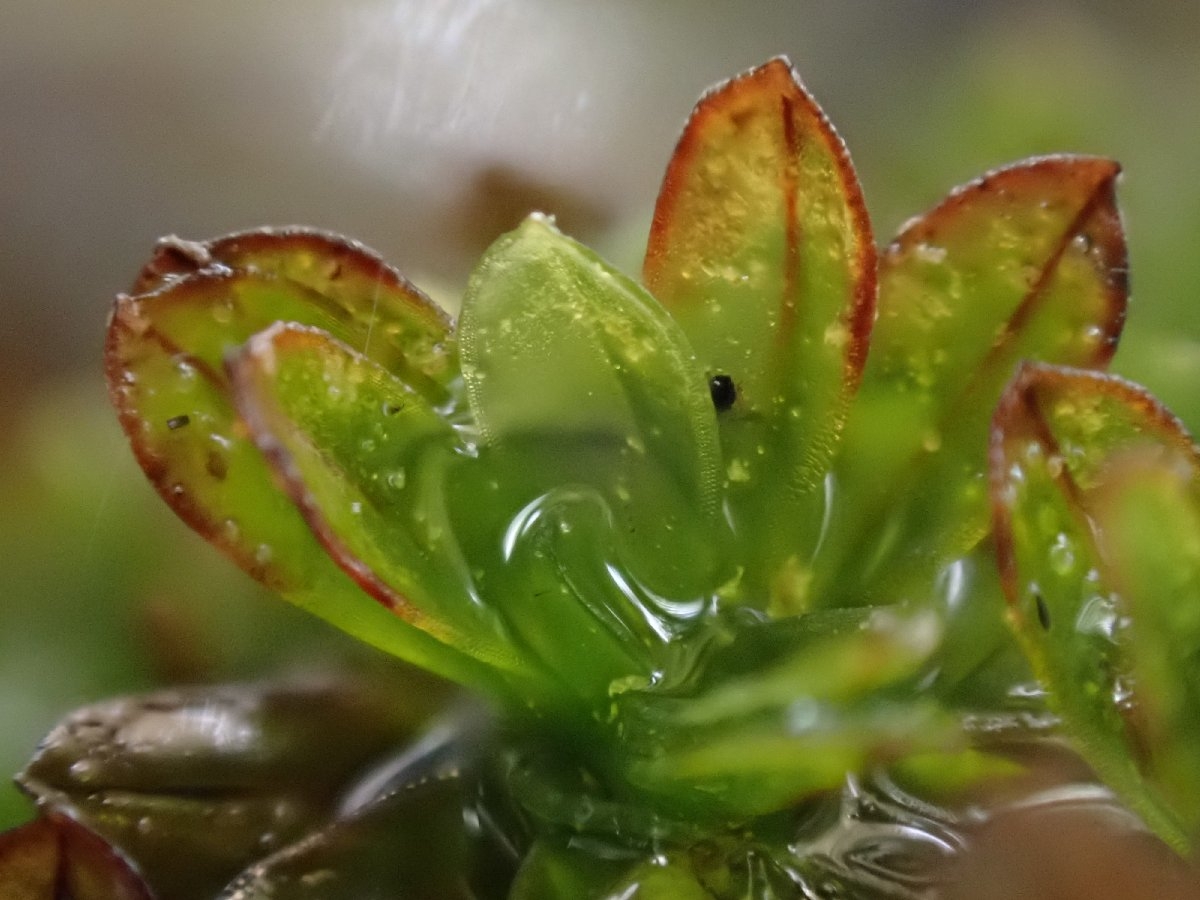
579,379
762,250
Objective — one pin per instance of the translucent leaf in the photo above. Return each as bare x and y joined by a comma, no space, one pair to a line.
1027,263
577,377
196,783
755,741
55,857
762,250
365,458
164,361
1056,434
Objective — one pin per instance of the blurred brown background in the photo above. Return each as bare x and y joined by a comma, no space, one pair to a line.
424,128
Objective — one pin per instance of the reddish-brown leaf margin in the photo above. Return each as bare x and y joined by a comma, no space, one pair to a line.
1020,409
779,77
258,422
176,261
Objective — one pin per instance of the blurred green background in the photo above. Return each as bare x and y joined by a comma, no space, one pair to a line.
424,128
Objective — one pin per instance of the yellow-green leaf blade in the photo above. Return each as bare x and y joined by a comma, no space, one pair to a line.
1027,263
576,376
1148,513
365,459
762,250
1056,432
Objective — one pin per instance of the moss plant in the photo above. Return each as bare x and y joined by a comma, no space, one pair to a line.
728,553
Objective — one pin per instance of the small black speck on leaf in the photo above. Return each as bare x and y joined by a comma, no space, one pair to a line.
177,422
1043,611
723,390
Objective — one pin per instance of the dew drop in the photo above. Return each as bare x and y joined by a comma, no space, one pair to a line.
738,471
83,770
397,479
1062,555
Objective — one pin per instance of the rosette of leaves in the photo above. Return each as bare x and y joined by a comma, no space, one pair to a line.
705,555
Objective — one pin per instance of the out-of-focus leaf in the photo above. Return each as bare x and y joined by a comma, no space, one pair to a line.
364,458
670,878
417,836
197,783
1149,526
550,872
762,250
164,361
1056,434
56,858
577,377
557,873
1027,263
762,739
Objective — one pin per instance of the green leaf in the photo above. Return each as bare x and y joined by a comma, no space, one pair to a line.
755,740
365,460
1148,513
762,250
1027,263
577,377
55,857
550,872
399,326
1056,434
164,360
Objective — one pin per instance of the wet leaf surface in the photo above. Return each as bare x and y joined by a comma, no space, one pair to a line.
365,459
762,251
1027,263
576,375
196,783
164,359
1148,513
413,834
1056,435
773,728
56,858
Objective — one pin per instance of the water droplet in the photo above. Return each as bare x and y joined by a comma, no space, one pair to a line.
738,471
230,530
84,770
397,479
930,253
356,508
1062,555
1054,466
